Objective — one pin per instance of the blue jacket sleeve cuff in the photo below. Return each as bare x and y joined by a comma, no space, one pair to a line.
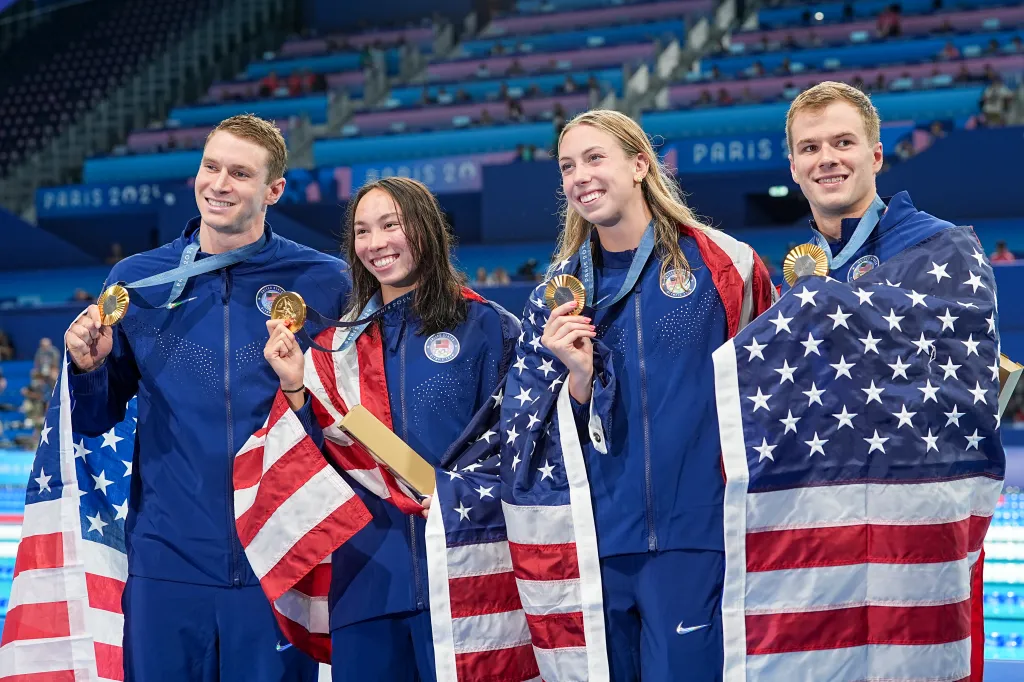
88,383
309,423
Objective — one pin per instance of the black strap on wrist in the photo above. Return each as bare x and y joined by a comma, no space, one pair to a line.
294,390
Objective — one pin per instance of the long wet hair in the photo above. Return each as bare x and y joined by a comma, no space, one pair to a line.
437,300
661,193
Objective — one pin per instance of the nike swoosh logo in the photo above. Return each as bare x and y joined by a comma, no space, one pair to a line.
680,630
177,303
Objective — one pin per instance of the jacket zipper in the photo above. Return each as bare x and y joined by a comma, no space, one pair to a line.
236,576
414,546
652,538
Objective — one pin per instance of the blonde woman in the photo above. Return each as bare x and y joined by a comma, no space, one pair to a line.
663,291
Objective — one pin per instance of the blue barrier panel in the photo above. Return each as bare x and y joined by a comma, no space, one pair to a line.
314,106
410,96
779,17
603,36
423,145
176,165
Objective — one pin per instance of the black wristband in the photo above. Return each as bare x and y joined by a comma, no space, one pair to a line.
294,390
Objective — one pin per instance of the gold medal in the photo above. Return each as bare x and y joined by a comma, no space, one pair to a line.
113,304
804,261
564,288
289,306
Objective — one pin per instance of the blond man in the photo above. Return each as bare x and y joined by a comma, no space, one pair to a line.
190,350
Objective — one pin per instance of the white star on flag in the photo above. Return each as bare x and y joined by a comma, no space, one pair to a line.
806,297
512,435
463,511
524,396
973,440
533,420
894,320
554,384
96,523
839,318
978,392
101,482
845,418
923,345
497,398
546,367
535,343
916,299
814,395
874,393
44,434
864,295
789,422
975,282
452,475
930,442
811,345
545,471
786,372
876,443
81,450
760,400
842,368
110,440
954,416
755,349
43,481
485,492
899,369
816,444
947,320
991,319
765,450
995,370
949,369
929,391
904,417
520,364
122,510
486,435
978,257
939,271
781,323
870,343
127,468
972,345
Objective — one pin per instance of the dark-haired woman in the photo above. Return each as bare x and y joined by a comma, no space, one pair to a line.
443,350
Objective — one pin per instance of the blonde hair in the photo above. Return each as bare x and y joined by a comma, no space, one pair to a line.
264,133
660,190
828,92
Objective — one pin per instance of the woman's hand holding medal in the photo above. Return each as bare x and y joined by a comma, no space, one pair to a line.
286,358
568,337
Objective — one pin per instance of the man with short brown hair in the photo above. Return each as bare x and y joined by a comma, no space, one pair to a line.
190,349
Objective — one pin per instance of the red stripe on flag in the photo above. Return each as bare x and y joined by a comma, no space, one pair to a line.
315,645
53,676
109,662
557,630
373,386
248,468
848,545
39,551
309,550
979,528
515,663
316,583
37,621
858,626
104,593
484,594
283,480
545,562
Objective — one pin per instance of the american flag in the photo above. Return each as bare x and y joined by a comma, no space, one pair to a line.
863,461
65,620
516,526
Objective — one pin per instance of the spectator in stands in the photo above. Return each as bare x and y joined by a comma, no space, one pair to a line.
485,117
814,40
949,52
6,347
747,96
269,84
905,149
993,47
785,68
483,71
461,96
989,75
499,277
858,82
116,254
1016,116
1015,46
481,276
515,111
879,85
755,70
705,99
945,28
789,43
558,118
569,86
319,83
515,68
724,98
426,98
1002,254
716,73
47,358
937,130
82,296
527,272
995,103
888,23
963,75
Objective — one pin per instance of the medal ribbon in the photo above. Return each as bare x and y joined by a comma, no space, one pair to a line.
864,228
190,267
370,312
640,258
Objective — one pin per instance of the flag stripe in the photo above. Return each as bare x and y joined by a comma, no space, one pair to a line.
40,551
105,627
867,503
557,630
52,676
545,562
317,581
810,589
514,663
806,548
480,559
109,662
479,595
309,612
45,585
314,540
543,597
43,518
37,621
562,664
479,633
858,626
104,593
888,662
538,525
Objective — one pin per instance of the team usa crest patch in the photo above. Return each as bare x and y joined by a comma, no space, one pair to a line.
265,297
861,267
678,284
441,347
